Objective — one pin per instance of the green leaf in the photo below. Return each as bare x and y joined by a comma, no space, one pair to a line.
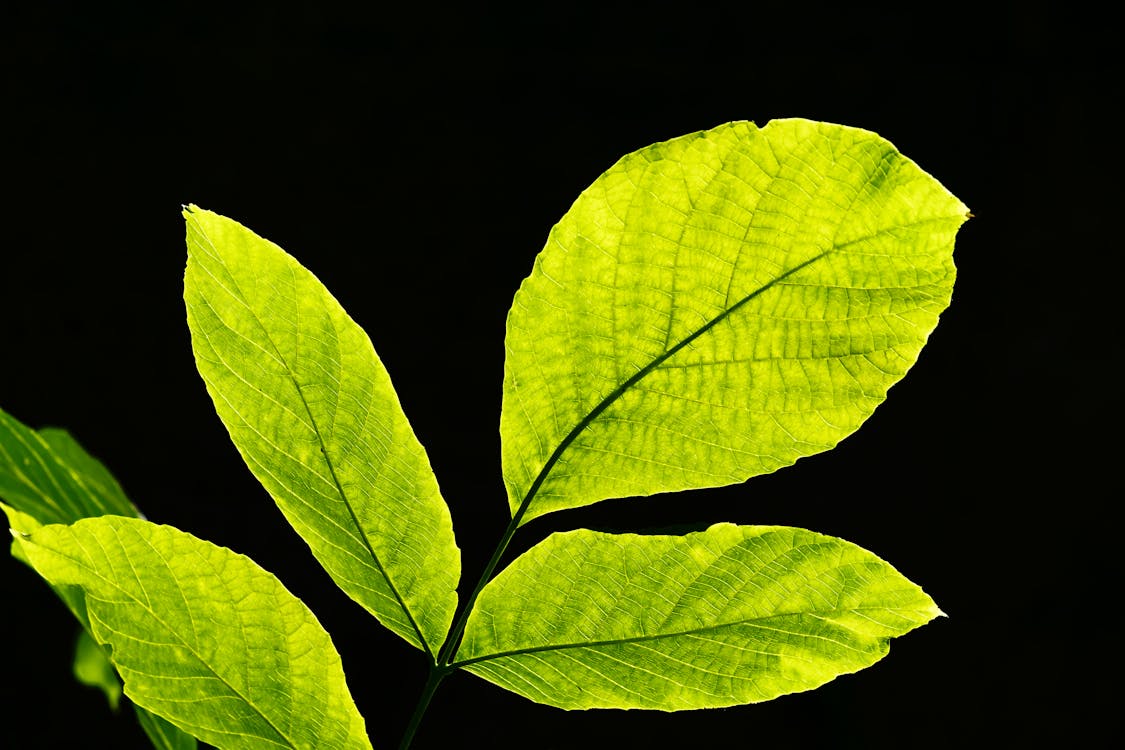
313,412
161,734
203,636
718,306
730,615
49,476
92,667
93,473
48,472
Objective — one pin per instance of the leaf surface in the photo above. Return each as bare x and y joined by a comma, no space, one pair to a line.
49,476
203,636
730,615
46,476
161,734
92,667
312,411
717,306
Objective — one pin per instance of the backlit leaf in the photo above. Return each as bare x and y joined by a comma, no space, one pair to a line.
161,734
731,615
92,667
49,476
717,306
203,636
46,476
312,411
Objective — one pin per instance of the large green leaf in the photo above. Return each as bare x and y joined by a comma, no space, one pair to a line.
203,636
313,412
718,306
731,615
49,476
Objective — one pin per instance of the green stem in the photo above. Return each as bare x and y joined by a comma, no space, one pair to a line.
442,667
446,654
439,670
437,674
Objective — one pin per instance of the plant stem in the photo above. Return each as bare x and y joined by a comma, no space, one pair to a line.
437,674
441,668
446,654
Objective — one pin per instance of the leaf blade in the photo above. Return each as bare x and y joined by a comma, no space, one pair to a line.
201,636
65,483
162,734
731,615
93,668
718,306
49,476
311,409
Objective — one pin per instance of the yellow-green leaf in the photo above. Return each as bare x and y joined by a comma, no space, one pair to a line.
49,476
92,667
717,306
202,636
312,410
731,615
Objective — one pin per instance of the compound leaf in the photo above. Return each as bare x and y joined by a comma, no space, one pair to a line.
718,306
730,615
202,636
312,411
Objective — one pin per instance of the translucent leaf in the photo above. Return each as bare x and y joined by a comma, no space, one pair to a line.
731,615
49,476
93,473
92,667
718,306
161,734
313,412
203,636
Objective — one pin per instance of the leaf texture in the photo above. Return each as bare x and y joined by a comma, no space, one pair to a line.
49,476
312,411
717,306
203,636
731,615
161,734
46,476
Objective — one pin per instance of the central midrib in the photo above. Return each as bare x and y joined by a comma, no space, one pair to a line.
662,636
618,392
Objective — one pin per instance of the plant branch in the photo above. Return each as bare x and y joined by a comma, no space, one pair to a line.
437,674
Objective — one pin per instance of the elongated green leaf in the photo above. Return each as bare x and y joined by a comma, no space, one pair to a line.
93,473
203,636
731,615
49,476
718,306
92,667
313,412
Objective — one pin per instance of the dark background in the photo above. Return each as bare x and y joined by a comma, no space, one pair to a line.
414,160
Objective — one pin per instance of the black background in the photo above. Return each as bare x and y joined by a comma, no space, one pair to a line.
414,160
